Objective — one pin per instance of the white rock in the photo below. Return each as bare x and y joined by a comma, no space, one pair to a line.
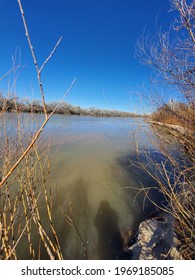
156,240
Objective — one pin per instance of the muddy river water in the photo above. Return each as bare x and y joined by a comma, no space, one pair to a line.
92,182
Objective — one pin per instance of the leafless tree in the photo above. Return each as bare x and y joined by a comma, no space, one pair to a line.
171,54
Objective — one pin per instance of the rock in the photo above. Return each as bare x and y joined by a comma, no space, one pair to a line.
156,240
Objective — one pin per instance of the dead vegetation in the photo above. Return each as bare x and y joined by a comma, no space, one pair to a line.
171,54
25,168
176,114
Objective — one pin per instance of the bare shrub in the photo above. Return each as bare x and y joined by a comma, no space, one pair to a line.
176,113
25,167
171,54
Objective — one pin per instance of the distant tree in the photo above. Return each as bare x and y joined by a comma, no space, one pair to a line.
2,101
37,106
75,110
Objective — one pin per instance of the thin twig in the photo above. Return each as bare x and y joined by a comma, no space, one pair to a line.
34,57
35,138
52,52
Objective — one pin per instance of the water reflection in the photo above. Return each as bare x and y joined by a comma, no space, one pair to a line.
109,237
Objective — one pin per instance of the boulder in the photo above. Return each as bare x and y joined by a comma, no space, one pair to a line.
156,240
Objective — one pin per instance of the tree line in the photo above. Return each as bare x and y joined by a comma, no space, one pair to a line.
13,104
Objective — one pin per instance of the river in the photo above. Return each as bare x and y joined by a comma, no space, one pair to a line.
93,182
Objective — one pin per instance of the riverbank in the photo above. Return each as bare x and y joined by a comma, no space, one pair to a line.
35,106
178,128
176,143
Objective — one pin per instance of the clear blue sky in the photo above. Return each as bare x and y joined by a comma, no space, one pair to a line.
98,46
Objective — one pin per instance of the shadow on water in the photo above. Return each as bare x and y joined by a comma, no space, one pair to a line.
81,218
143,180
81,235
109,237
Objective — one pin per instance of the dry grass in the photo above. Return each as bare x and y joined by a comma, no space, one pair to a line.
173,171
171,55
23,193
25,168
176,114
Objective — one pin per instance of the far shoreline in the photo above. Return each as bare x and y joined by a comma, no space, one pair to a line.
16,105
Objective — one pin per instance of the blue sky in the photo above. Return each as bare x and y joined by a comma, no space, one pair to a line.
98,47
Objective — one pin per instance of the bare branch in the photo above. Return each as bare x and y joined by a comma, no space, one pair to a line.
34,57
34,139
52,52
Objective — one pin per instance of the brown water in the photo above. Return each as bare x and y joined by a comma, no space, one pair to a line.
91,175
92,183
